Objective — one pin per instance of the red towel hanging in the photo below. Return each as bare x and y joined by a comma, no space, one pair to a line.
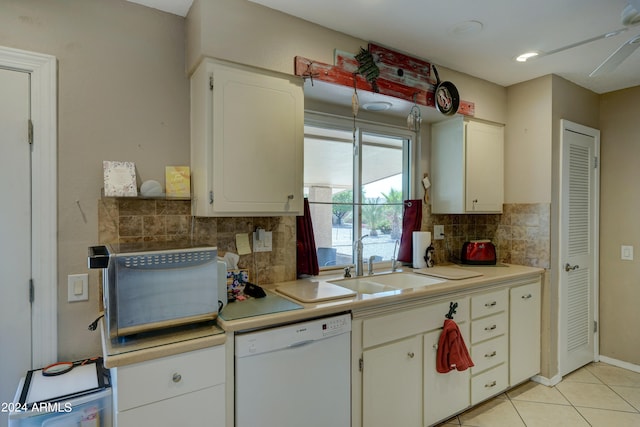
307,258
452,351
411,221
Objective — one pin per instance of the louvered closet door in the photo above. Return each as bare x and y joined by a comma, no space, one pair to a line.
578,236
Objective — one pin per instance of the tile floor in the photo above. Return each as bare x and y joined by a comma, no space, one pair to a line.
597,395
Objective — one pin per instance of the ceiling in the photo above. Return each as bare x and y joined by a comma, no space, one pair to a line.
431,30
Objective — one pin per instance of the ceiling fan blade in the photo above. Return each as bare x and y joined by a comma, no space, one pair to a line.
617,57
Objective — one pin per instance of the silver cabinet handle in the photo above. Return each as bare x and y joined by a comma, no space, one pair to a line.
493,353
491,304
569,267
491,384
176,377
526,296
411,354
490,328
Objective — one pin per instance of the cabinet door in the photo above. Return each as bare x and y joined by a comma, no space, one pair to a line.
392,384
467,167
247,139
444,394
524,337
484,167
258,142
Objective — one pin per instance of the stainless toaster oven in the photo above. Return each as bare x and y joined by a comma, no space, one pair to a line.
155,285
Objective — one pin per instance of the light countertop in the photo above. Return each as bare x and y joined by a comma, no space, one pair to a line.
155,345
491,275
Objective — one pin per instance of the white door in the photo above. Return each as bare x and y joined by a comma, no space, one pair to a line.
15,233
578,246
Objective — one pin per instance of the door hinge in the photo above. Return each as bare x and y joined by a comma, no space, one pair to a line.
595,162
210,197
32,291
30,132
361,364
211,83
595,326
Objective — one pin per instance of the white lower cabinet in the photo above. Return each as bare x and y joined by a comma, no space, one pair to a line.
524,334
398,348
186,389
393,397
444,394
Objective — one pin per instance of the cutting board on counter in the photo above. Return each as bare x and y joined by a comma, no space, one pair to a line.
447,272
315,291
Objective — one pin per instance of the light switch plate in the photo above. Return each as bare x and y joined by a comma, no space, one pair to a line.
626,252
78,287
438,232
265,244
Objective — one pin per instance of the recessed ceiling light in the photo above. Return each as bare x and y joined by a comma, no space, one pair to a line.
377,106
526,56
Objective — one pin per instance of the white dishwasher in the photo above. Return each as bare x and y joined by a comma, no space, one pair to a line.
295,375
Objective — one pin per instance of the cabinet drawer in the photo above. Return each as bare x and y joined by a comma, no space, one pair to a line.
489,384
488,327
489,354
200,408
158,379
488,304
391,327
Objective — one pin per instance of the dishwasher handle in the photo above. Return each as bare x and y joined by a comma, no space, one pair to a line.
300,343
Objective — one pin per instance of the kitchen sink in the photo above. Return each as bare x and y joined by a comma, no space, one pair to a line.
406,280
386,282
363,285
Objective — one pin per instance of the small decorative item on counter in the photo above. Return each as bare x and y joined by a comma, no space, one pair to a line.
119,179
178,181
236,281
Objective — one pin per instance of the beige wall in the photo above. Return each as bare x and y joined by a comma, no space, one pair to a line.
532,140
122,95
527,154
620,225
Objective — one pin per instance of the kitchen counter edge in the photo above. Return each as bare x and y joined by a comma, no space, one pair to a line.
491,276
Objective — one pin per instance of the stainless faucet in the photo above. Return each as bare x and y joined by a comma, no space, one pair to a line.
358,247
371,258
394,260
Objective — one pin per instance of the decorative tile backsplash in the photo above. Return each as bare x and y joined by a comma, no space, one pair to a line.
122,220
521,233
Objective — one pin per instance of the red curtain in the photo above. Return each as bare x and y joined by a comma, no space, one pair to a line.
307,258
411,221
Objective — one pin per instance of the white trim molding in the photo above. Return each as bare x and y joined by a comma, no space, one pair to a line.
620,363
44,317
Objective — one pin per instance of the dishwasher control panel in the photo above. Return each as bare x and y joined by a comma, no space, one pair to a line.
336,325
290,336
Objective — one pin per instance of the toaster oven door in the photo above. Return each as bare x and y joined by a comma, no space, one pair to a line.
154,291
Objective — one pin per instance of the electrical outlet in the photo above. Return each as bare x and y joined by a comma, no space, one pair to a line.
263,244
438,232
78,287
626,253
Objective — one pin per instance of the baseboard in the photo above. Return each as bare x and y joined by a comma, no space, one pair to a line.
620,363
549,382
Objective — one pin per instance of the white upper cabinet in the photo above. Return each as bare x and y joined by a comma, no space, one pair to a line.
467,167
247,139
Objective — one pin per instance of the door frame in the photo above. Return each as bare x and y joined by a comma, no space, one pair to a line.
566,125
44,271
